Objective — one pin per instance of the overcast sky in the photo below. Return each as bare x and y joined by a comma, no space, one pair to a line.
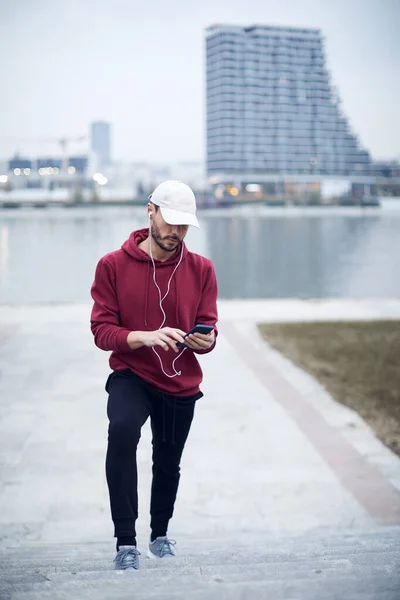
140,65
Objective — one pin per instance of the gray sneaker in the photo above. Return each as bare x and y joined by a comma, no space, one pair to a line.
127,558
162,547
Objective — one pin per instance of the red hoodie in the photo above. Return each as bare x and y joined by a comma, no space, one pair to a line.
126,299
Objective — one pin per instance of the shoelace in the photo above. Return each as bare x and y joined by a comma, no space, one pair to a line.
129,555
166,546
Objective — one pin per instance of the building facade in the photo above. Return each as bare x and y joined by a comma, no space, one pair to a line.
271,108
100,142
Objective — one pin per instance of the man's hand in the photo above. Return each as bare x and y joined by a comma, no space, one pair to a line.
165,337
200,341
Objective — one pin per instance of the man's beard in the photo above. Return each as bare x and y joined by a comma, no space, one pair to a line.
162,242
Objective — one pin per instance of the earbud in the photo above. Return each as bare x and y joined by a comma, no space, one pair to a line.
150,214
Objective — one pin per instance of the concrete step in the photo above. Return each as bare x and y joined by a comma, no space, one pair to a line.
215,584
49,566
336,559
382,537
299,565
256,549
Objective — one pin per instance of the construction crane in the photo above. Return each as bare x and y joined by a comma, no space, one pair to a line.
62,141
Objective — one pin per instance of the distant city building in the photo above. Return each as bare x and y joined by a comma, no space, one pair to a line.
19,162
271,108
48,162
387,168
79,163
74,164
100,142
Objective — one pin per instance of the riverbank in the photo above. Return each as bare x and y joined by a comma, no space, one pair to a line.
14,208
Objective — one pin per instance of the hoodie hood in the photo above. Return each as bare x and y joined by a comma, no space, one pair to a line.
131,247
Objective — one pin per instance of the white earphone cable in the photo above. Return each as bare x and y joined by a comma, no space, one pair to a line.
161,300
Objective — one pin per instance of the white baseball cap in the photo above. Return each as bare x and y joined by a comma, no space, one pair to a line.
177,203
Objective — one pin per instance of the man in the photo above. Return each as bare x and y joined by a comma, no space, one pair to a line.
147,296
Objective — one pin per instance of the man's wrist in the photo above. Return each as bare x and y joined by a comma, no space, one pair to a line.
135,339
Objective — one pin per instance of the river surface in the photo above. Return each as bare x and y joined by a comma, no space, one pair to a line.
49,255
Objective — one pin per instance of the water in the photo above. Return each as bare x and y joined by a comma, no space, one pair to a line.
50,255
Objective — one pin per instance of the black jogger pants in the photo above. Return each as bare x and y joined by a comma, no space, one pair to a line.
130,402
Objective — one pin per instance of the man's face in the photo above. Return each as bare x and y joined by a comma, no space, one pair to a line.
167,237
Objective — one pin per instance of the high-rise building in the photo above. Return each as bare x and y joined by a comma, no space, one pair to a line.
271,107
100,142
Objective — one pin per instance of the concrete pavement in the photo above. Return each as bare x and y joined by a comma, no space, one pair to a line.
269,450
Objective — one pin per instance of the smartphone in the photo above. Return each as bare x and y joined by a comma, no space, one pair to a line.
196,329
